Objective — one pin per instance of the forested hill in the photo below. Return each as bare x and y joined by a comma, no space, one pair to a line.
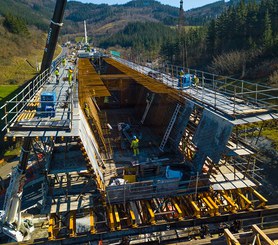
106,19
109,19
242,42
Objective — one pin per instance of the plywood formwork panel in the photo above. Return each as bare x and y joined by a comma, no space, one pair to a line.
211,138
146,81
88,77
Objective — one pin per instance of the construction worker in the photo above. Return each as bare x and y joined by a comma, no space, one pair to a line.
57,74
86,109
195,80
135,146
181,75
70,72
64,62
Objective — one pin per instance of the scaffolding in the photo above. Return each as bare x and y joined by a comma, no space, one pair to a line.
94,189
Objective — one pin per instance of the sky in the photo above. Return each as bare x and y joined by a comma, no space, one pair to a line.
187,4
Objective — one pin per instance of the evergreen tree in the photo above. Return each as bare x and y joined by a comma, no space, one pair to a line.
15,24
267,34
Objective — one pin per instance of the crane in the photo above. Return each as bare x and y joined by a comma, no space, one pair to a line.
11,223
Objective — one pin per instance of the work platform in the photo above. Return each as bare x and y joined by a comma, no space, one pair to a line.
25,118
242,102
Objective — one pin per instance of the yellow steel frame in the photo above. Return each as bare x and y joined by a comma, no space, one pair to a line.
117,218
72,223
51,227
177,208
92,222
260,234
231,240
151,213
111,218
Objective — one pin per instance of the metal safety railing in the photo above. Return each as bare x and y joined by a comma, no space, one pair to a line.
214,89
14,107
155,188
57,61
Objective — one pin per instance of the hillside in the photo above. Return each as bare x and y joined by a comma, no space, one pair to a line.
34,12
103,20
106,19
16,50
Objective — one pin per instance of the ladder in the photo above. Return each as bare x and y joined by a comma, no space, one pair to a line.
149,103
169,128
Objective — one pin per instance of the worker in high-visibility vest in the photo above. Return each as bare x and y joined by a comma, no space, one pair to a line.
135,146
181,75
70,72
87,110
64,62
57,74
196,80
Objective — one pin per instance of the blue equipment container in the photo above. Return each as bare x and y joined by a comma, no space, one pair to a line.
185,81
48,102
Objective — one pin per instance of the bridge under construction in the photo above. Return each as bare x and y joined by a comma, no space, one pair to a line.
83,183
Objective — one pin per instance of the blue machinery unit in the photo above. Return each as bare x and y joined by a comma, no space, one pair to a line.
185,81
48,102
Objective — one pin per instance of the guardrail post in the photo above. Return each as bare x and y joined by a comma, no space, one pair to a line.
256,93
29,91
16,102
6,117
23,96
172,71
234,99
38,81
203,85
33,85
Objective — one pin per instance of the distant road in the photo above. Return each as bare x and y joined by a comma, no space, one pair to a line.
7,168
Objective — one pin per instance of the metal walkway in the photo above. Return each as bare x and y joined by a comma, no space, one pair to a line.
241,101
22,117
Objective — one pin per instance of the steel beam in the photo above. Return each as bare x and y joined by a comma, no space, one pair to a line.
92,222
269,211
259,233
231,240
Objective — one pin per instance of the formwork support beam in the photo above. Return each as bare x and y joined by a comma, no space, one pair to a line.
92,222
245,200
178,209
231,240
111,218
197,211
72,224
51,228
174,225
132,219
117,218
215,206
211,210
151,213
260,197
232,205
259,233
